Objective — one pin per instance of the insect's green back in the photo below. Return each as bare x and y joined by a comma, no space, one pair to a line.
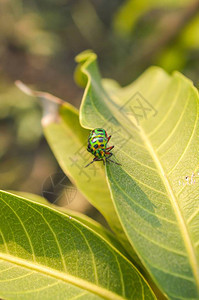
97,142
97,145
97,132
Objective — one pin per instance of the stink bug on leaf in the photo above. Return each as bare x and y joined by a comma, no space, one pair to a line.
97,145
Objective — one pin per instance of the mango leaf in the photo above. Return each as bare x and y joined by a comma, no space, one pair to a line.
97,227
155,130
45,254
68,141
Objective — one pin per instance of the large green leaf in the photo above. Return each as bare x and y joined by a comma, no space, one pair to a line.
97,227
45,254
157,150
68,141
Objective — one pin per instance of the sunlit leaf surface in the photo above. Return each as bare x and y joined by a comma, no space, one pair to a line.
155,130
45,254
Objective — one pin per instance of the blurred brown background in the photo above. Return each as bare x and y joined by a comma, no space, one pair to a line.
38,42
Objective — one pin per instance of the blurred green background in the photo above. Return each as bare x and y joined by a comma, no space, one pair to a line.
38,42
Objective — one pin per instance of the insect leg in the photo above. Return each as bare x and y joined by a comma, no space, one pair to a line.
109,138
114,162
108,158
110,148
109,153
94,159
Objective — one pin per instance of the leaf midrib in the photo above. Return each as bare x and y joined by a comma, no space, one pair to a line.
183,228
83,284
174,203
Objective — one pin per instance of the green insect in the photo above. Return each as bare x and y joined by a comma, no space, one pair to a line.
97,145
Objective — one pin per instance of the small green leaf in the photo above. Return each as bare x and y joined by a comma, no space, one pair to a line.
45,254
155,129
